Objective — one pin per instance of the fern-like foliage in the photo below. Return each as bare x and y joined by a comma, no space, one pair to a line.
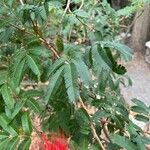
71,78
59,62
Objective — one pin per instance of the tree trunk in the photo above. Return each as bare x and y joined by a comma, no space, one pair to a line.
141,29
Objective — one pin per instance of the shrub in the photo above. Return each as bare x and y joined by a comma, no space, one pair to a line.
59,61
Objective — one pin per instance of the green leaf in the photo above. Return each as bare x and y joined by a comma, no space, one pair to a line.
7,96
43,12
125,51
33,66
18,57
139,103
54,81
18,106
141,118
58,63
3,75
59,43
25,144
140,143
4,143
102,65
4,120
31,93
81,13
26,123
13,143
139,109
10,2
18,73
137,138
117,68
99,115
5,124
70,77
3,135
146,140
103,80
83,71
123,142
33,105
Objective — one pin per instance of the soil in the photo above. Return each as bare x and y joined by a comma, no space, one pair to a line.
139,72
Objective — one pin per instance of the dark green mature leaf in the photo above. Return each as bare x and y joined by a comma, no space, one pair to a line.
5,124
7,96
119,69
99,60
4,143
4,120
139,109
58,63
18,106
33,66
141,118
123,142
99,115
140,144
139,103
18,73
33,105
135,136
3,135
125,51
81,13
25,144
83,72
59,43
32,93
13,143
3,75
70,76
55,81
26,123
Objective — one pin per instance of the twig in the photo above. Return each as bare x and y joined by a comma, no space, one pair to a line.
132,24
21,2
65,11
105,129
92,126
84,24
22,29
82,3
39,36
50,47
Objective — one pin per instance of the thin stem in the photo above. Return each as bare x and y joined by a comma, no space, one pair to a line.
39,36
65,11
21,2
82,3
92,126
92,29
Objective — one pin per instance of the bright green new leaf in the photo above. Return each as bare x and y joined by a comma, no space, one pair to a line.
26,123
7,96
